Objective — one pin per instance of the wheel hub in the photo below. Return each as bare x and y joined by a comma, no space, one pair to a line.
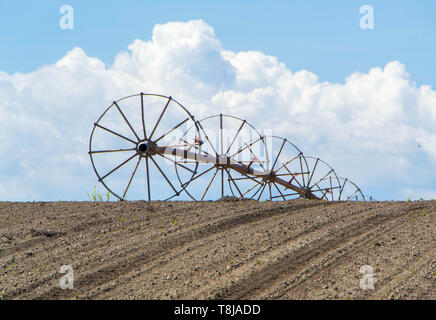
145,148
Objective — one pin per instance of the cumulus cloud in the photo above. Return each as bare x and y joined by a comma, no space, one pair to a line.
377,128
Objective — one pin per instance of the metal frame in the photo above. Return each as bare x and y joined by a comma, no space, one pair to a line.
312,178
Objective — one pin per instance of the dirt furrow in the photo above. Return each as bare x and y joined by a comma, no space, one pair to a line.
298,249
135,256
199,248
81,251
322,276
328,261
289,263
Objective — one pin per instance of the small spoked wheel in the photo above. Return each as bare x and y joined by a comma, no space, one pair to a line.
322,180
287,168
350,191
132,147
226,140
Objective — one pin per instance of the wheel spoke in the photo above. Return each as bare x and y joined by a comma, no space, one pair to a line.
287,195
342,189
207,138
301,167
166,133
313,171
254,186
356,191
323,189
289,173
323,177
115,133
234,183
287,162
221,135
279,191
331,186
320,190
142,114
204,172
222,183
127,121
247,146
260,187
260,162
260,195
236,135
278,155
175,162
131,177
160,117
208,186
293,177
163,174
195,147
116,168
148,179
106,151
249,178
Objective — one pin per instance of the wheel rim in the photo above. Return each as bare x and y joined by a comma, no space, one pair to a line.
139,125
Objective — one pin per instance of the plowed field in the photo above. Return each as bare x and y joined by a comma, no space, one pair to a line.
300,249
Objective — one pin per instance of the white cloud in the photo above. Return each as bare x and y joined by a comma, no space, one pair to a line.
377,128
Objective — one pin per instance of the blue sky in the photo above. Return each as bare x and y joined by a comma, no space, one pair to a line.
380,134
321,36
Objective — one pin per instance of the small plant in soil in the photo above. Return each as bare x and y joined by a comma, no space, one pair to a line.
96,195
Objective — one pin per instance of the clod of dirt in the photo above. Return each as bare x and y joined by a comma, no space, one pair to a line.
9,237
46,233
28,253
230,199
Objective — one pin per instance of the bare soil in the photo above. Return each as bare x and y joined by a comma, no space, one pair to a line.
300,249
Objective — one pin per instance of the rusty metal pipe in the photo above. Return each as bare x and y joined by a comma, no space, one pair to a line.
230,163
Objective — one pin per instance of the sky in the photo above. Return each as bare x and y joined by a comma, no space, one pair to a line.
362,100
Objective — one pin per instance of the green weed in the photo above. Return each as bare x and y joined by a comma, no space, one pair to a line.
96,195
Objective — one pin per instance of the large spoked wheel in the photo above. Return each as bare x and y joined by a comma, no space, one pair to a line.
131,143
227,139
322,180
350,191
288,166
